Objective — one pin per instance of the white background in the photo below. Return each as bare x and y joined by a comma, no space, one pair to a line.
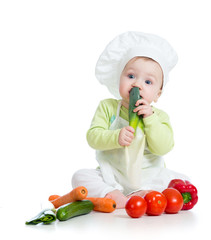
49,93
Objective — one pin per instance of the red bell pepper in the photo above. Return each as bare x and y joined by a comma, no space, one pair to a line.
188,191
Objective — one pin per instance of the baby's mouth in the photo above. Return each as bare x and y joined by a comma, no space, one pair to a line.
130,91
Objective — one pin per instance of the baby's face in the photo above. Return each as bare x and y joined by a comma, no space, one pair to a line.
143,73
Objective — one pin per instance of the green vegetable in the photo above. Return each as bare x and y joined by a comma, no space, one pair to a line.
134,119
46,216
74,209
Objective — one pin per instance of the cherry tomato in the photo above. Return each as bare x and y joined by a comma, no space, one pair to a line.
136,206
156,203
174,200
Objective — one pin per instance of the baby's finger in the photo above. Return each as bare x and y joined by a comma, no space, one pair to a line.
129,134
126,144
139,108
127,140
141,101
130,129
143,110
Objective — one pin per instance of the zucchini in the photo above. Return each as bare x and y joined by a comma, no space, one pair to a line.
74,209
134,119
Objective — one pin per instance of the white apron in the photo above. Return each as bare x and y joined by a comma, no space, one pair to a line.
134,168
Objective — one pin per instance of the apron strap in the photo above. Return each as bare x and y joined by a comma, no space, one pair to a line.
118,108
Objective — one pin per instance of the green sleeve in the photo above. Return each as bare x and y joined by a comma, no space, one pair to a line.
159,133
99,136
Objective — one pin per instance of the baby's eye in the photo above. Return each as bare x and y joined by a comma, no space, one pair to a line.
148,82
131,76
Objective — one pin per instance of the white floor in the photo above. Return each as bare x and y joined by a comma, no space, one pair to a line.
97,225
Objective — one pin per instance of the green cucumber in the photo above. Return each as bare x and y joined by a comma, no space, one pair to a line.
74,209
134,119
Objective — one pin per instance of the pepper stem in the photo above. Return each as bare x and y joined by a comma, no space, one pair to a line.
186,197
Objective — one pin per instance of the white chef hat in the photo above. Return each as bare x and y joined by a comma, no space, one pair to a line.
127,46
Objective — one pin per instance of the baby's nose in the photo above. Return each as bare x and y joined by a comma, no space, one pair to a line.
138,84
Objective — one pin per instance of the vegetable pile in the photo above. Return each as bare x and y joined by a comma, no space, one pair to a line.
180,195
71,205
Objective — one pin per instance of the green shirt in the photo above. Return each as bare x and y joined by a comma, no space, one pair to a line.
157,128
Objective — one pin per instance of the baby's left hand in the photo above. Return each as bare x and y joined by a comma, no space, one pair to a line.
143,108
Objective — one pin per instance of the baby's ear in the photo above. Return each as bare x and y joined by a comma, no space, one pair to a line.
158,95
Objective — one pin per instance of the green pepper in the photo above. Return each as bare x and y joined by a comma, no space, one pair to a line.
45,216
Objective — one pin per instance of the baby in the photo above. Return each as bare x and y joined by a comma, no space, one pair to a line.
130,162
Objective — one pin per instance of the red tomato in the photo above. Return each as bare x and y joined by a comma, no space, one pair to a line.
156,203
174,200
136,206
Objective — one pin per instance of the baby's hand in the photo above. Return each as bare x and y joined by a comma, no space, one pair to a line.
143,108
126,136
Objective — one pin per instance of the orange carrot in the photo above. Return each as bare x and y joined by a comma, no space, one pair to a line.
76,194
106,205
53,197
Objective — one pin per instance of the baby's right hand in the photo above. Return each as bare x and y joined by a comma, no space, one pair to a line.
126,136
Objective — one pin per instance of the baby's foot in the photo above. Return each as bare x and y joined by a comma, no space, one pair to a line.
140,193
118,197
